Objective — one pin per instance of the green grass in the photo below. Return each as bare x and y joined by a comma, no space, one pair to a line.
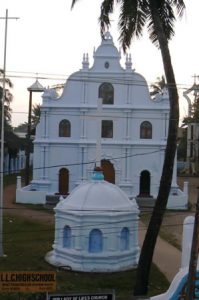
10,179
164,233
38,207
27,242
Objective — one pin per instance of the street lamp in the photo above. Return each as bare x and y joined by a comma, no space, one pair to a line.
35,87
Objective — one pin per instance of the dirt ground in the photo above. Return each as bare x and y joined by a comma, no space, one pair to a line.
172,224
11,208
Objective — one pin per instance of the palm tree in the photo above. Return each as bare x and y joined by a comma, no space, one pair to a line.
36,112
35,118
12,142
8,97
159,17
158,86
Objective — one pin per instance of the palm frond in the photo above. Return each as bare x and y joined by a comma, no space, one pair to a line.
106,10
180,6
158,86
73,3
167,18
165,9
131,21
7,80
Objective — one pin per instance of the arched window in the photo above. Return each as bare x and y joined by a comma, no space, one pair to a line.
146,130
108,170
145,183
64,128
63,181
107,129
124,239
106,92
67,237
95,241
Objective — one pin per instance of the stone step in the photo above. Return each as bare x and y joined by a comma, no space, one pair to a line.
52,200
145,203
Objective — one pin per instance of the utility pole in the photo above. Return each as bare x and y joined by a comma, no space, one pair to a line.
6,18
190,292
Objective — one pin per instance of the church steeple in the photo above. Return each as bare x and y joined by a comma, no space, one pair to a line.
106,56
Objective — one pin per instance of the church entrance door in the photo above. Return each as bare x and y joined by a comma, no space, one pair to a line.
63,181
145,183
108,170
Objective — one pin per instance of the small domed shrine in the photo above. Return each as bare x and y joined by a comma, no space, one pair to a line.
96,229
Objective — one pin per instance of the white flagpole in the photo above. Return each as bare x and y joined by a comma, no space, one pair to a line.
2,138
2,134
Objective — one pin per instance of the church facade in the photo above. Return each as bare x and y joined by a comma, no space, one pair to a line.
132,129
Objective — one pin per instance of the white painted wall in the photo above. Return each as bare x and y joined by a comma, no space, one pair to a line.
78,103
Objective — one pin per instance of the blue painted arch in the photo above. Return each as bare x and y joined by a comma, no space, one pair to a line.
95,241
67,237
124,239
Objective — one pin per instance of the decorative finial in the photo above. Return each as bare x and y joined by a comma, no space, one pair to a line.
85,61
128,62
108,36
98,174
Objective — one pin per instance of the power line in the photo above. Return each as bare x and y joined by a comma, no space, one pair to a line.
82,227
123,80
142,213
92,161
113,116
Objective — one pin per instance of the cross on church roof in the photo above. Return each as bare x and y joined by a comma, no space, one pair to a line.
99,116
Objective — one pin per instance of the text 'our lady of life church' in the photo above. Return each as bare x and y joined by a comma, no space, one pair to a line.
131,126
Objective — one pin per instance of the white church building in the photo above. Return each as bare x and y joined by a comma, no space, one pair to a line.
132,128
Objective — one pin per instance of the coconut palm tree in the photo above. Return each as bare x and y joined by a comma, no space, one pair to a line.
159,16
36,112
8,97
158,86
35,117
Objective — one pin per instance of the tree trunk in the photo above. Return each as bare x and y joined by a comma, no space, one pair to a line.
146,256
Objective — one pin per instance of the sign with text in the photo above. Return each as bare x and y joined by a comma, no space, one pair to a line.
98,296
27,281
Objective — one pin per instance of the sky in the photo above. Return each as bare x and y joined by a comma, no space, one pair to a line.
49,39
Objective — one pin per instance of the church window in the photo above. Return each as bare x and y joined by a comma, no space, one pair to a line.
124,239
146,130
107,129
145,183
67,237
63,181
106,92
64,128
106,64
95,241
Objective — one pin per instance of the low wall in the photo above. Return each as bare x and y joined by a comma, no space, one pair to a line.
177,202
30,197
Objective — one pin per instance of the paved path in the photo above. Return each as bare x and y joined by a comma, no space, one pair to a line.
166,256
